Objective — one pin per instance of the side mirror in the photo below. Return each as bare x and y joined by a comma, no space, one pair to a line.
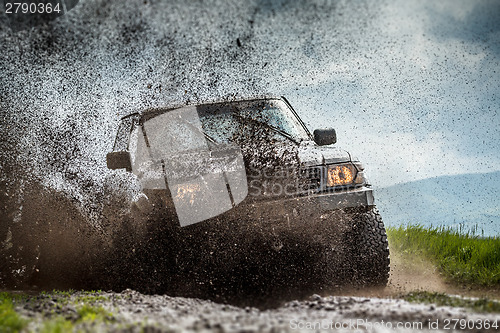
119,160
324,137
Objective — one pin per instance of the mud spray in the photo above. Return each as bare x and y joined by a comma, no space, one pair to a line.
64,86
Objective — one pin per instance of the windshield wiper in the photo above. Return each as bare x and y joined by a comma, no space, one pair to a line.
266,125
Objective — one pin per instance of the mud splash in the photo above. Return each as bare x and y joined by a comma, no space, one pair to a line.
57,248
65,85
50,244
47,242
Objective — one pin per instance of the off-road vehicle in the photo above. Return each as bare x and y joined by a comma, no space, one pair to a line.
242,186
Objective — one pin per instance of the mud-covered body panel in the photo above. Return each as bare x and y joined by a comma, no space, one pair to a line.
311,155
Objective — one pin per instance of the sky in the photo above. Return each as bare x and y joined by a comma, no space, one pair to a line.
421,95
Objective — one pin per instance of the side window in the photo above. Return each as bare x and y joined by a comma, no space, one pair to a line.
149,172
123,134
133,144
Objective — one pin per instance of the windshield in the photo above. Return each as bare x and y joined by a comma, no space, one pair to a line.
242,121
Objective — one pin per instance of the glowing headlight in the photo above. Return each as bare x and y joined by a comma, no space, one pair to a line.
187,192
340,175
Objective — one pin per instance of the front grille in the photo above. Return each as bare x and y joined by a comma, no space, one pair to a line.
312,178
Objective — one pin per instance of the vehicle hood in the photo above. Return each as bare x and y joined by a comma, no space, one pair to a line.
311,154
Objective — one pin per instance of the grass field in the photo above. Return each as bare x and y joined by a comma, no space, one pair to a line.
82,314
10,320
440,299
461,258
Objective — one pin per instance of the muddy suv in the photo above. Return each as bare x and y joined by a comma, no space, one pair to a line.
243,186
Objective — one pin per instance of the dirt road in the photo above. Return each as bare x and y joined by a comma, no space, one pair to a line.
130,311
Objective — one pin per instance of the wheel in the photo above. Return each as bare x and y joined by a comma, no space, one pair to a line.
369,248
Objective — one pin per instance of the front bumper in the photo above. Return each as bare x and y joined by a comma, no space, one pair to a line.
348,198
302,209
308,213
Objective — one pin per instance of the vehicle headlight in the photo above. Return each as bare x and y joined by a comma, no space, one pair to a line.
187,192
341,174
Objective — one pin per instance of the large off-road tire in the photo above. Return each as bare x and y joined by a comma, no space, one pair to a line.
369,248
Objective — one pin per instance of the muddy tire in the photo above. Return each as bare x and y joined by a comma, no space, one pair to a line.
369,249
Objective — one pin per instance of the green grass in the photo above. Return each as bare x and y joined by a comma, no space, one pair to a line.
478,305
86,315
461,258
57,325
10,321
88,298
93,313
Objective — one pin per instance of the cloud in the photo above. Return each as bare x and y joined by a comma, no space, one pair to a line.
419,96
